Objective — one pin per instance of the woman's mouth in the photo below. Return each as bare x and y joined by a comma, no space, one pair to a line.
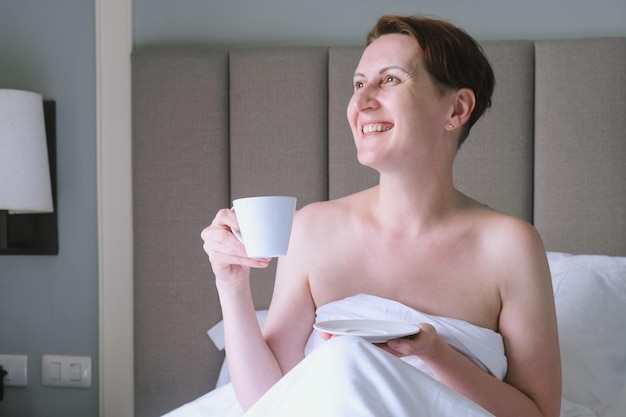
375,127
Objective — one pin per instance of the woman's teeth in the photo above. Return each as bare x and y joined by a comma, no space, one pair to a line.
375,128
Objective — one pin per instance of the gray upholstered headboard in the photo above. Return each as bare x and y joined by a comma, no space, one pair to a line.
210,125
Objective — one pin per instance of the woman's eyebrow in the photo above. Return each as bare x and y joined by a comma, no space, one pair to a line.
383,70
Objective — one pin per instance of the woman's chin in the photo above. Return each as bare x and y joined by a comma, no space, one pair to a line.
367,157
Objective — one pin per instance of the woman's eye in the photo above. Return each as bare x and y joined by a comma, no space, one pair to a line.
389,79
358,85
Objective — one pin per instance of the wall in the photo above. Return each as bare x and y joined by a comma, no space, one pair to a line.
330,22
49,304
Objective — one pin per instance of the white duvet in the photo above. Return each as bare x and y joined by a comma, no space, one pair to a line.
590,296
348,376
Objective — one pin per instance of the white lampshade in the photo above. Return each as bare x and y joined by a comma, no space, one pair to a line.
24,170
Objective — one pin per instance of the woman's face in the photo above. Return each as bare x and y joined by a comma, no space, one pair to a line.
397,112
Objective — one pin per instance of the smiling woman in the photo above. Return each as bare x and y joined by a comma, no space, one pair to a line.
519,158
412,105
394,93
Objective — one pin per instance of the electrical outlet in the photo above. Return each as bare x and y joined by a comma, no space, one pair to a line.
17,370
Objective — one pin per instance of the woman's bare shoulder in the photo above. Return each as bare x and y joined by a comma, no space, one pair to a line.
332,210
506,242
512,236
320,225
513,252
499,231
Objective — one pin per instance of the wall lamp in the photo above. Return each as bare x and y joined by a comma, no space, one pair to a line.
28,222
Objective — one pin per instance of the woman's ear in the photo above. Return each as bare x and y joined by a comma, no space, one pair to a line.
464,103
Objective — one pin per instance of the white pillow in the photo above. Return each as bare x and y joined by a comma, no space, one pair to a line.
590,298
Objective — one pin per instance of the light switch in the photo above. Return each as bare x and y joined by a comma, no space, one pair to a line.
66,371
75,371
55,371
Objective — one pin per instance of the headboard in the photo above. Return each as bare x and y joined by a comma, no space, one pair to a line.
211,125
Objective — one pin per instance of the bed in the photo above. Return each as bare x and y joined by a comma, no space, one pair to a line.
213,124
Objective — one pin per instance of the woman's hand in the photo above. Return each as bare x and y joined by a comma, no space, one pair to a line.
426,344
227,254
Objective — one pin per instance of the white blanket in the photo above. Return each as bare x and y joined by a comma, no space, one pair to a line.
483,346
349,376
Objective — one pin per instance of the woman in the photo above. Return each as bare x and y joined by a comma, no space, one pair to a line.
414,239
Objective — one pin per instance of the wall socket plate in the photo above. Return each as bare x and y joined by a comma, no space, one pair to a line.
17,370
66,371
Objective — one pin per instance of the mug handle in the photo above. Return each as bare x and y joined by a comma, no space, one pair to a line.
235,232
238,235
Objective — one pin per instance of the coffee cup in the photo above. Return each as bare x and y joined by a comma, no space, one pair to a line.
265,224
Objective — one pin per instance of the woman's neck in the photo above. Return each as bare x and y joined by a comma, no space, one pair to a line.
413,204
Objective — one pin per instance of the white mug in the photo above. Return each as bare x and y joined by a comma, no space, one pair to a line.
265,224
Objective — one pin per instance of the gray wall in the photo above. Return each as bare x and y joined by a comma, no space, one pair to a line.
345,22
49,304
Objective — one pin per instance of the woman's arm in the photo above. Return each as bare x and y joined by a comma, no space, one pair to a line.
255,365
527,322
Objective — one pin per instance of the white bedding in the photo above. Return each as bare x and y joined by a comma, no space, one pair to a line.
348,376
356,378
590,296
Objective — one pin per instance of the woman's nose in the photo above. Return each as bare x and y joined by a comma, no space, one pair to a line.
365,98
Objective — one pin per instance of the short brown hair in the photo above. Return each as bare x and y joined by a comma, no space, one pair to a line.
451,56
